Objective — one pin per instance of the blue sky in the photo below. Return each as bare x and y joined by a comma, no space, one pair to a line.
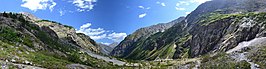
105,21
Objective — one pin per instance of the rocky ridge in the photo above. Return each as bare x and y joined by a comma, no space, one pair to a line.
24,37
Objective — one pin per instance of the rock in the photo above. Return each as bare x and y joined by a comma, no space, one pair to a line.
78,66
7,61
27,62
13,60
27,52
257,66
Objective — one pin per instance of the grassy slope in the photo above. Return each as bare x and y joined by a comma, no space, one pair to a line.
15,43
259,56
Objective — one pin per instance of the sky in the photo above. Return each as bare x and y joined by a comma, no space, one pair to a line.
105,21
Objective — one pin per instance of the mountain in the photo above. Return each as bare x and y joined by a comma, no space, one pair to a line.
113,45
215,26
125,46
28,41
106,49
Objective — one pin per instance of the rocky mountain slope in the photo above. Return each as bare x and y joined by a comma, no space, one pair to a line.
215,26
106,49
125,46
29,41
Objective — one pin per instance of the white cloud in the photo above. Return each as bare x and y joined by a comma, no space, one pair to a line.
188,12
62,12
81,10
84,5
198,1
52,6
85,26
97,37
189,2
93,33
158,2
117,37
142,15
141,7
182,3
35,5
148,8
180,9
105,43
161,3
100,33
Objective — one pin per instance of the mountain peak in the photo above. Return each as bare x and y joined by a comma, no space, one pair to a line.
30,16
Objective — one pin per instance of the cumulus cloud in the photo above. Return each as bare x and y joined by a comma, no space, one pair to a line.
35,5
84,5
117,37
97,37
100,33
142,15
95,34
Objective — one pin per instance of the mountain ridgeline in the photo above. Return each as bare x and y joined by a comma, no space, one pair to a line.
215,26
